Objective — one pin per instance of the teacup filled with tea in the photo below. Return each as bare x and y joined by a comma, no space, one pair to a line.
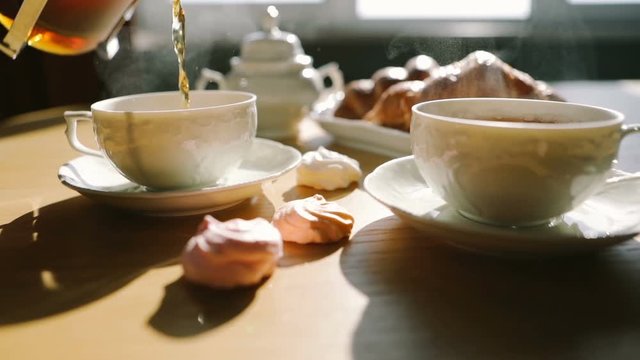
515,162
155,141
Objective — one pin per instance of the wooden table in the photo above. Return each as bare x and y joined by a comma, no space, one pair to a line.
82,281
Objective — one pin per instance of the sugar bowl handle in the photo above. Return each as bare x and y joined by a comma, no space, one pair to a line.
331,71
210,76
72,118
630,129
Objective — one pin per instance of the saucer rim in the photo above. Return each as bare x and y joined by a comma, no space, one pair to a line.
297,157
557,243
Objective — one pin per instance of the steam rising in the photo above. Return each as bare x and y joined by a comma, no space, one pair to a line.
556,47
146,61
551,48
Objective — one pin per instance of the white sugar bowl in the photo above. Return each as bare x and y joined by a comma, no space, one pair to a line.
273,65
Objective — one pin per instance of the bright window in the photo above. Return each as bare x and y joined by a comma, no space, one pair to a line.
603,2
439,9
240,2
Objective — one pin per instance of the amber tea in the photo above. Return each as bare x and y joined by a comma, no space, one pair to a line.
178,34
70,27
523,120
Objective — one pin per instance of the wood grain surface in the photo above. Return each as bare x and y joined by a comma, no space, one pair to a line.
79,280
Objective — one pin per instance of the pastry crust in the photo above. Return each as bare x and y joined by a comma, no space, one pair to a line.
361,95
358,99
420,67
391,110
387,77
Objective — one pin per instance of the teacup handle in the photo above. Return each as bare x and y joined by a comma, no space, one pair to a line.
332,71
72,118
626,130
210,76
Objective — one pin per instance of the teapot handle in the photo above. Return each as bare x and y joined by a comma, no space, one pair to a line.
210,76
332,71
630,129
21,27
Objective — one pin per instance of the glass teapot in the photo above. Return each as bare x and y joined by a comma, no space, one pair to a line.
64,27
273,66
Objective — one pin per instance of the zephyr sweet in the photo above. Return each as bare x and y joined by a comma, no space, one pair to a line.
313,220
233,253
327,170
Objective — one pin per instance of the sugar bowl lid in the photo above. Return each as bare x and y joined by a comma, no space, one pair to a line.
271,44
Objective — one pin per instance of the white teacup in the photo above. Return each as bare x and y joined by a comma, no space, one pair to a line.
515,162
155,141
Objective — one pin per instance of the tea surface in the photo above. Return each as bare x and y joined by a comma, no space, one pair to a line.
524,120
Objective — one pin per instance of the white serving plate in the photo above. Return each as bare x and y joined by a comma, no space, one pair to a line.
360,134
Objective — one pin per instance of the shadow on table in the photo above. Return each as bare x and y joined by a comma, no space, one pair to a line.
188,310
302,192
296,254
427,300
73,252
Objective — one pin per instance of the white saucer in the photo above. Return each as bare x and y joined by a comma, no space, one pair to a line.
95,178
609,217
360,134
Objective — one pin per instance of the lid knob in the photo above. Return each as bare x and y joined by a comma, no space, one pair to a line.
270,21
271,44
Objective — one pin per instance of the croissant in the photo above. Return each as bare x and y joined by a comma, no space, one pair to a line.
480,74
386,77
358,99
361,95
398,98
420,67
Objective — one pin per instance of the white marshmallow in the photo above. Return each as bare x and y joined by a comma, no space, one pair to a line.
327,170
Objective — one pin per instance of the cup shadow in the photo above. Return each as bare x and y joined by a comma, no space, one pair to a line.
296,254
301,192
188,310
73,252
76,251
436,301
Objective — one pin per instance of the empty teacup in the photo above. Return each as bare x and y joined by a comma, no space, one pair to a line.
155,141
515,162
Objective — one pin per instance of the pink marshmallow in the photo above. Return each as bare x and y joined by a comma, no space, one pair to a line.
233,253
313,220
